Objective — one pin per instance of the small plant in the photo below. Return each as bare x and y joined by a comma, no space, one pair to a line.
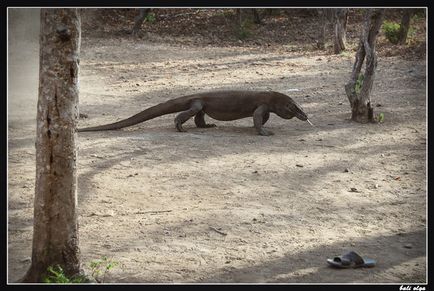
381,117
100,268
57,275
411,35
391,30
244,29
359,83
150,17
346,53
227,13
419,14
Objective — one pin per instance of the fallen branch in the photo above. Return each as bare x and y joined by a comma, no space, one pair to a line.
325,145
218,231
152,211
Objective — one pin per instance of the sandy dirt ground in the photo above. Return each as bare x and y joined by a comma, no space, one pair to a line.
225,205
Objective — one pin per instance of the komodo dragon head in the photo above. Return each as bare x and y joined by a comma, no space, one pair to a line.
288,108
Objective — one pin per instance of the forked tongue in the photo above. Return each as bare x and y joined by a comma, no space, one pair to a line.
310,122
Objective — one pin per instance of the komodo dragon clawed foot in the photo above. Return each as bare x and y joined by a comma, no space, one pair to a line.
179,127
265,132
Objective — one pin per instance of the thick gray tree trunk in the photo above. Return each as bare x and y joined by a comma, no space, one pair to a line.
55,227
360,95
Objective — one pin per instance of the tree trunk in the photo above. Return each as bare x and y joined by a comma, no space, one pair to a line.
269,11
405,25
323,25
55,226
340,20
138,21
256,17
359,95
327,16
238,16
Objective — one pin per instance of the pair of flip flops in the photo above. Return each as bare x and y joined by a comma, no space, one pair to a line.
351,260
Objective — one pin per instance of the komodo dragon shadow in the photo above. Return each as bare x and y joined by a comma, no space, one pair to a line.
220,105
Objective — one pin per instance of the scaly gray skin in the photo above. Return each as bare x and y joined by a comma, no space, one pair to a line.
220,105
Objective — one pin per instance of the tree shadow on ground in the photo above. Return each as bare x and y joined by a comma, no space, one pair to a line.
387,250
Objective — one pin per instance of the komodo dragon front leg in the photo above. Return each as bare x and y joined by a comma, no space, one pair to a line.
260,116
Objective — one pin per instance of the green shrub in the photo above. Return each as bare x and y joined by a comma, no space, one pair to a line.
391,30
57,275
359,83
150,17
100,268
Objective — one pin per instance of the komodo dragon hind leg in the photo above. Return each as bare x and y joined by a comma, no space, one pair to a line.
265,117
199,120
182,117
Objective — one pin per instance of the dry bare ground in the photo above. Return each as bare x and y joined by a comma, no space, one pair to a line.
224,204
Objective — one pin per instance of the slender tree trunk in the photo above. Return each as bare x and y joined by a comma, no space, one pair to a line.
322,12
360,95
269,11
340,20
55,227
405,25
256,17
238,16
138,21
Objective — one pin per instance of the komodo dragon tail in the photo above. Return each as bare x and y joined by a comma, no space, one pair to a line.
147,114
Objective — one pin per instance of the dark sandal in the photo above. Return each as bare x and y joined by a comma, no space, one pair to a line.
351,260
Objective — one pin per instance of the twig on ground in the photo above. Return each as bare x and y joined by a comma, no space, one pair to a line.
325,145
152,211
218,231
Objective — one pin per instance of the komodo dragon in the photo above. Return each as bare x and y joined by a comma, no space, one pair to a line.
220,105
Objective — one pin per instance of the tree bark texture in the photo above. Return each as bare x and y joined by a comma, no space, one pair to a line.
360,98
338,17
238,16
138,21
340,22
325,15
256,17
405,25
55,226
